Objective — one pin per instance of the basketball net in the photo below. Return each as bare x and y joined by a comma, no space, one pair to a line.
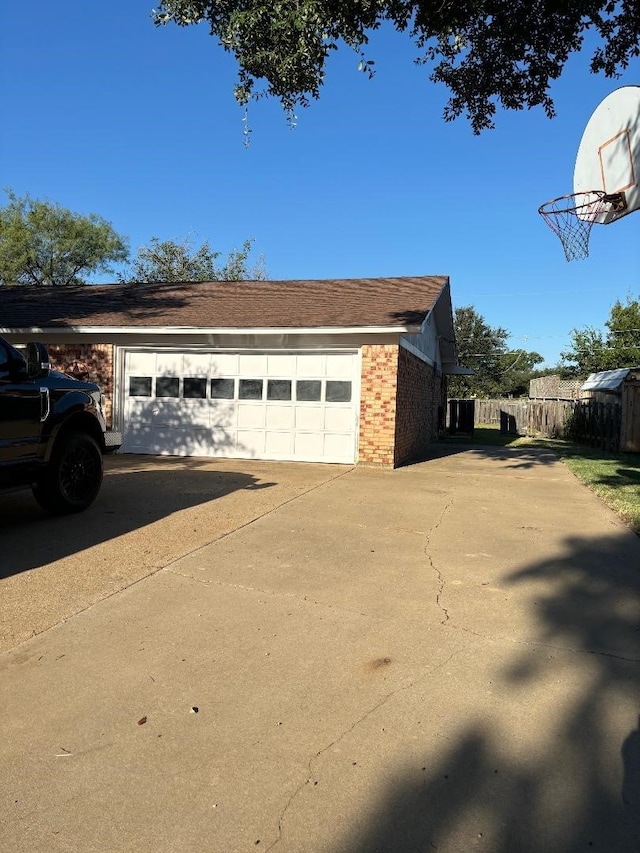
571,217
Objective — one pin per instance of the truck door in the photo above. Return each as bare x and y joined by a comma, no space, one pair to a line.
22,405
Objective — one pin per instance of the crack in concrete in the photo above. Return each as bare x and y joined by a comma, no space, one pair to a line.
277,594
345,733
531,644
438,573
534,644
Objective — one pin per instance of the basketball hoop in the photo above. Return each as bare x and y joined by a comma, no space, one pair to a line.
571,216
605,177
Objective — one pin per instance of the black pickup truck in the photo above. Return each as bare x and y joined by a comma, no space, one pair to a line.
52,431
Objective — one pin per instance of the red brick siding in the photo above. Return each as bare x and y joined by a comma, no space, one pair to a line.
378,404
420,394
93,362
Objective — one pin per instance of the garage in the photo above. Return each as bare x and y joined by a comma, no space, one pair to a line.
350,371
271,405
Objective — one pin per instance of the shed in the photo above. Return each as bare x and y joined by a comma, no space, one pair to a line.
619,387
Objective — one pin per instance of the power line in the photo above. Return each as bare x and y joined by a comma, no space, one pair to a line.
545,292
568,334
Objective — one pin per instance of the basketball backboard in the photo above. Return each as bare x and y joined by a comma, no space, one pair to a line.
609,154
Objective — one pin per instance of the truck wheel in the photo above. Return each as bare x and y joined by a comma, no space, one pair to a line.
73,476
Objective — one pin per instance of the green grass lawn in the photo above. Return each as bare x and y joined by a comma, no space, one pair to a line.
614,478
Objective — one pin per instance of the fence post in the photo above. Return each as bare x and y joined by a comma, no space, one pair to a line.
453,416
461,416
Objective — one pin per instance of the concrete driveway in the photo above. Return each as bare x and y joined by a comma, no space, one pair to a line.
444,657
150,512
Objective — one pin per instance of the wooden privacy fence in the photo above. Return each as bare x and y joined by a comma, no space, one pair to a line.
595,424
547,417
585,421
461,416
630,414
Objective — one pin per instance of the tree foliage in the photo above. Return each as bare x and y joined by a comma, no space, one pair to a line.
236,268
45,244
592,350
170,261
498,372
487,52
481,348
518,367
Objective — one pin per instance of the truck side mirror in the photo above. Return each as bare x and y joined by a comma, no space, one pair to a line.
37,360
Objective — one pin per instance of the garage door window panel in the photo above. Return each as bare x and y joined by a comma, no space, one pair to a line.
338,392
308,390
194,388
279,389
222,389
167,386
140,386
250,389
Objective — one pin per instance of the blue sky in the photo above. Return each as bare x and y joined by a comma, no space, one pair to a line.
103,113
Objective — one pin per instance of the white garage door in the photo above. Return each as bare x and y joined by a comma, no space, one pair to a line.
297,406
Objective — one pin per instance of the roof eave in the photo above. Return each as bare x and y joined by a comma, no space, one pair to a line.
213,330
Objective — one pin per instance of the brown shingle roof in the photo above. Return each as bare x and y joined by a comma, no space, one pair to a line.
225,304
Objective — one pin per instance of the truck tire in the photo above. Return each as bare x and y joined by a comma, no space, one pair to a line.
73,476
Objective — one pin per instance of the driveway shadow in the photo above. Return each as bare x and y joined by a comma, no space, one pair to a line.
516,457
578,788
135,493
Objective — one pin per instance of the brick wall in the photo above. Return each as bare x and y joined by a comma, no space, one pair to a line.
378,404
420,405
91,362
